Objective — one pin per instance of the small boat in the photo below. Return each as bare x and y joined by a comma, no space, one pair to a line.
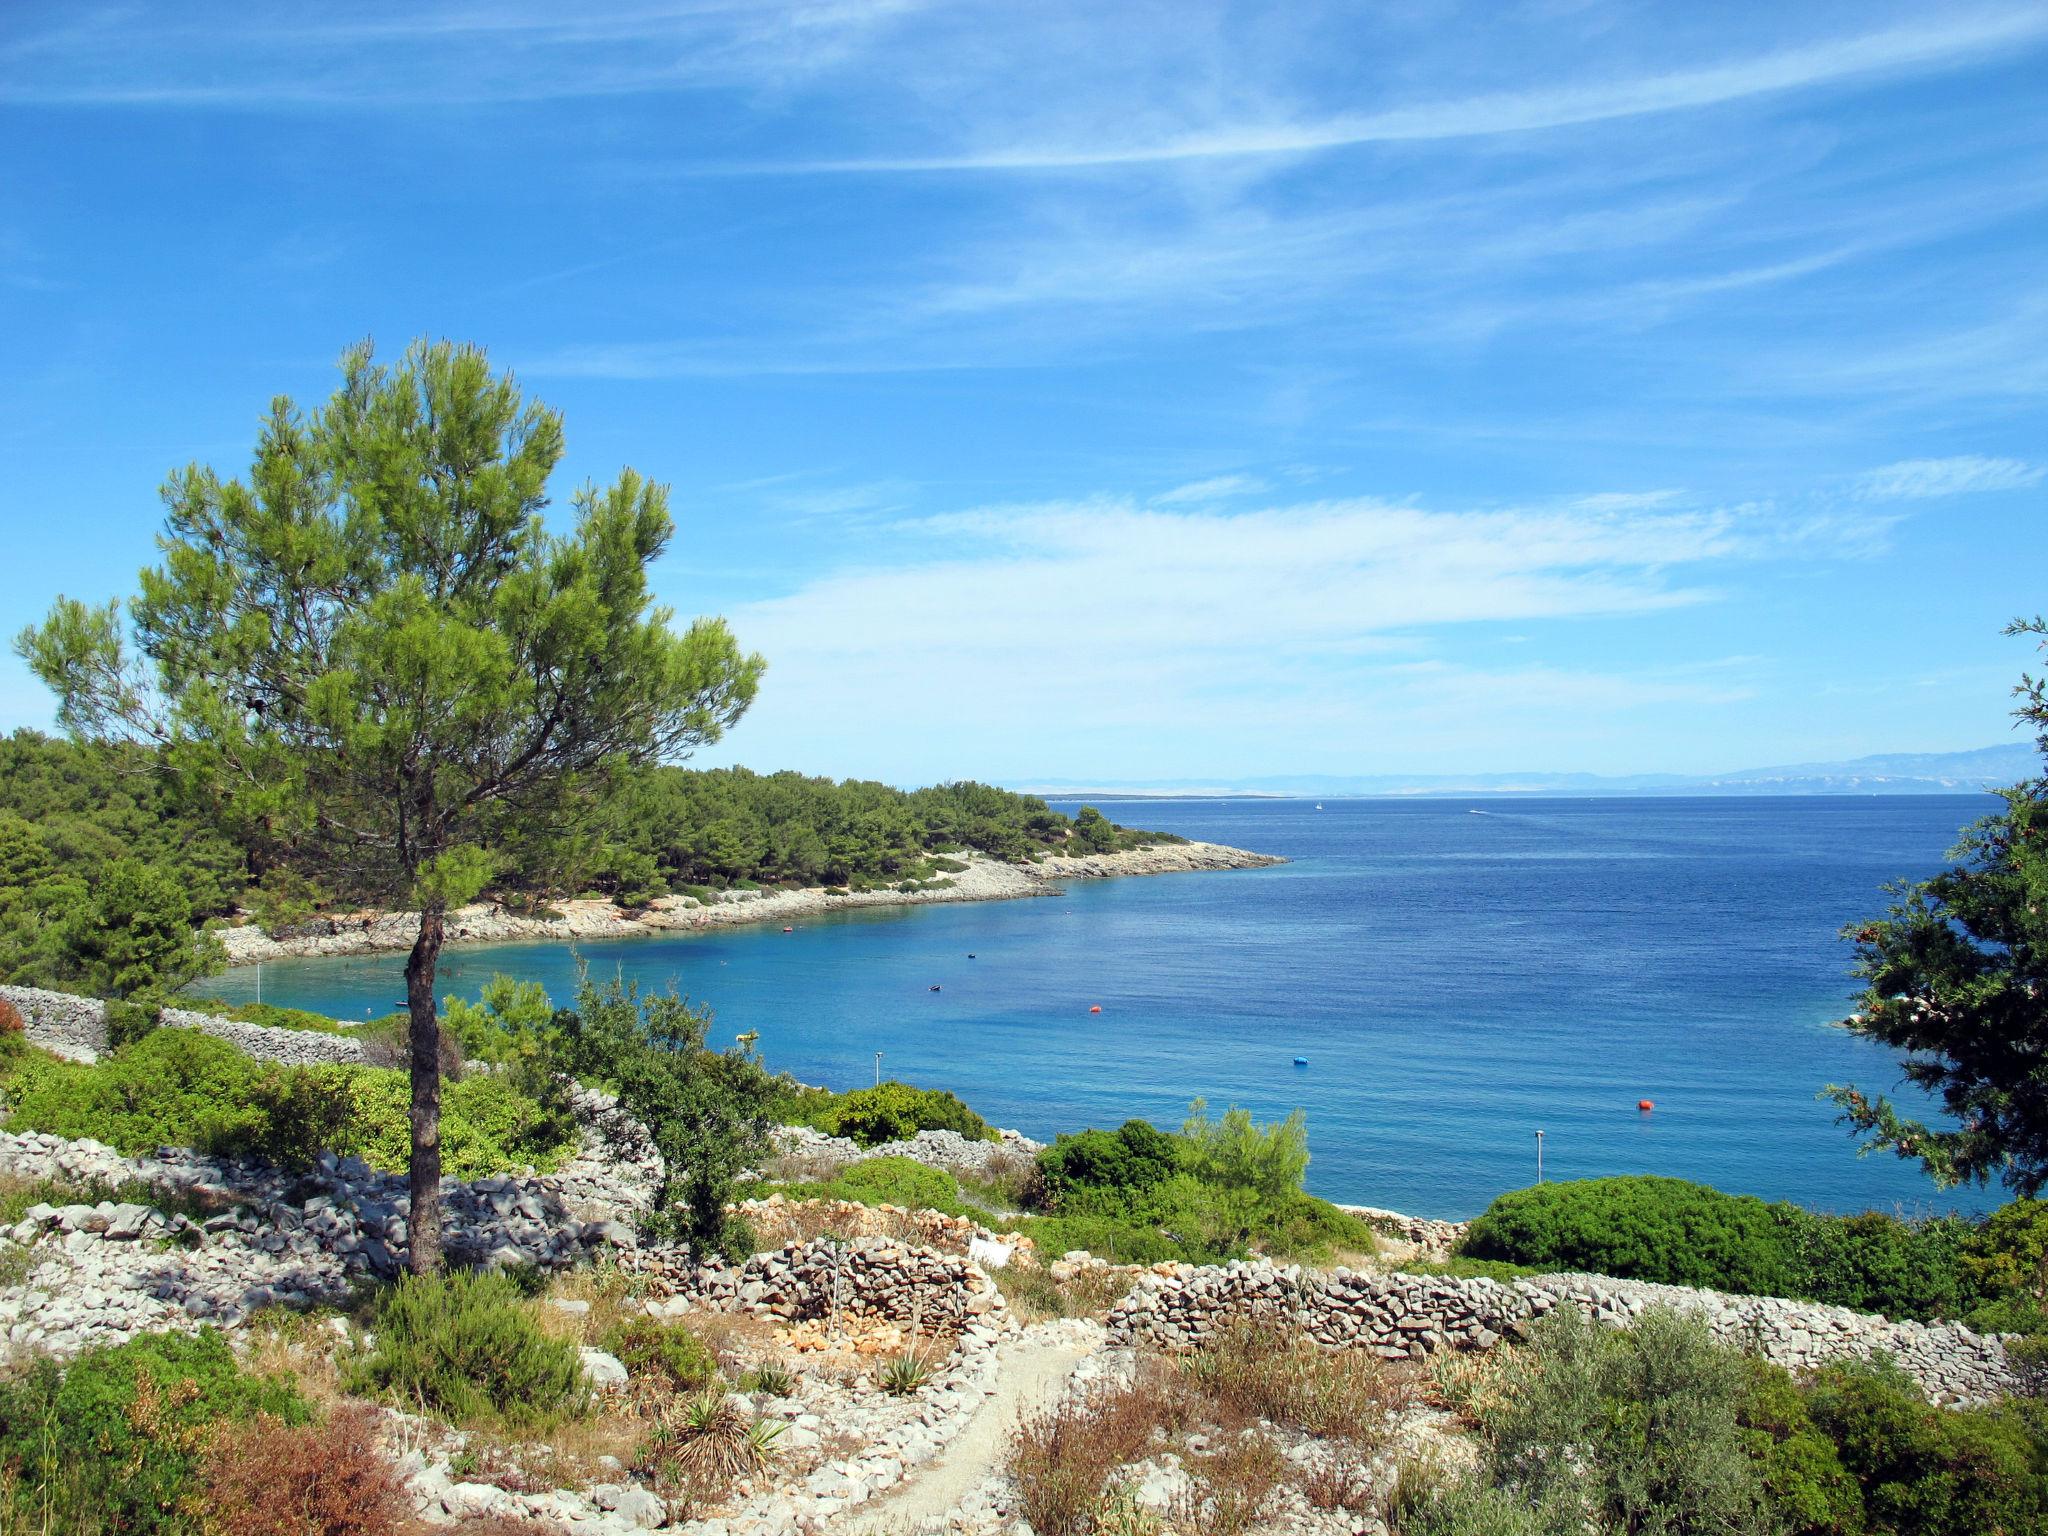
1319,805
934,986
1301,1061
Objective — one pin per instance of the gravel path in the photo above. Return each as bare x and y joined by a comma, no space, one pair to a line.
1032,1375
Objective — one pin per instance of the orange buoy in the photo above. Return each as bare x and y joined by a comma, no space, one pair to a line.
1646,1104
1096,1009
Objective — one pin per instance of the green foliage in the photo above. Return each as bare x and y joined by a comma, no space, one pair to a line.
706,1110
115,1441
1267,1162
182,1088
1956,972
1458,1267
133,936
488,1125
1117,1240
898,1181
665,1352
890,1111
1639,1227
1681,1233
1926,1471
1650,1417
1126,1163
465,1347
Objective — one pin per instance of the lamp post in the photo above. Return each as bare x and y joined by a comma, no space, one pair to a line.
878,1069
1539,1157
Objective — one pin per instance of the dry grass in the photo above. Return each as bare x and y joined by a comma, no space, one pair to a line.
1233,1488
1342,1480
1036,1297
1254,1371
265,1478
1066,1459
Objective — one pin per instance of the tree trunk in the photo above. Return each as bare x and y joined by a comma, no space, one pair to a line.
423,1225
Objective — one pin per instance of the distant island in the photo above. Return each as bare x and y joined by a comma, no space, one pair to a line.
1897,773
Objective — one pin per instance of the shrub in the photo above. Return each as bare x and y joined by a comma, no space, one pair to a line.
387,1043
1927,1471
1127,1163
487,1125
173,1087
128,1021
897,1181
667,1354
897,1112
703,1442
270,1478
300,1112
1639,1227
2007,1257
1637,1427
1877,1263
1065,1457
270,1016
116,1441
904,1375
463,1346
1251,1371
1107,1237
1266,1161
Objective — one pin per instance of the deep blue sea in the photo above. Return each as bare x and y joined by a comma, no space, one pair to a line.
1458,975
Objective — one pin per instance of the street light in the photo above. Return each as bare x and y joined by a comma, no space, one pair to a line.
1539,1157
878,1069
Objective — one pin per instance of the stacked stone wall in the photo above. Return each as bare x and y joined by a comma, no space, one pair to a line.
1414,1316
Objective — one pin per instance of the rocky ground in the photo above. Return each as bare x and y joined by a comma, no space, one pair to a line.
984,879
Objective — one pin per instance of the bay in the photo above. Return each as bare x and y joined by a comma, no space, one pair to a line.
1457,974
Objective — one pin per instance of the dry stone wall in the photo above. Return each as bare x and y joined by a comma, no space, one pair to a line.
1413,1316
873,1279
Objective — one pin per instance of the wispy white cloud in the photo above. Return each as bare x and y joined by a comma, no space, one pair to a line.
1207,492
1959,475
1890,51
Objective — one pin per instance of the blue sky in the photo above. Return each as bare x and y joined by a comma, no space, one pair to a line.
1139,390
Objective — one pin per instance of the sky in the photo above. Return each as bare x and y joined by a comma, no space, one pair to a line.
1148,391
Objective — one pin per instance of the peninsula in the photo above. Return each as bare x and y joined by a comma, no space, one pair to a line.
981,878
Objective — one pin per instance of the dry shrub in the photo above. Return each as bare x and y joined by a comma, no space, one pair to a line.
12,1024
1035,1296
1339,1479
702,1443
266,1478
1252,1371
1233,1488
1065,1458
500,1525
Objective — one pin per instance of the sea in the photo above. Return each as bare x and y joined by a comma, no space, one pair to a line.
1444,987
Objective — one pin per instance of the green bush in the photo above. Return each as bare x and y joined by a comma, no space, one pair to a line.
895,1111
182,1088
115,1442
898,1181
1267,1161
464,1346
487,1125
1638,1427
1877,1263
668,1353
1118,1241
1126,1163
1927,1471
2006,1259
1639,1227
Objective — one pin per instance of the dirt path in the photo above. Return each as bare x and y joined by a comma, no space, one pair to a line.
1032,1376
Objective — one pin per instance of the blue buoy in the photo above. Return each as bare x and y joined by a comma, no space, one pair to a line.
1301,1061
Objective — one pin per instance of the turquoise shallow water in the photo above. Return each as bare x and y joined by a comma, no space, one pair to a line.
1457,974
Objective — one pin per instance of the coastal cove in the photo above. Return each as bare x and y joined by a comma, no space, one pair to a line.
1458,975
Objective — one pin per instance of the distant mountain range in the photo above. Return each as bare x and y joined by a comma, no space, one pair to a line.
1895,773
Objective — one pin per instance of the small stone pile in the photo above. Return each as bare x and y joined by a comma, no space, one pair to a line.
778,1220
878,1279
1412,1316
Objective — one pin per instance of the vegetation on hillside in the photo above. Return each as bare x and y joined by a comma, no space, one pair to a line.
1658,1427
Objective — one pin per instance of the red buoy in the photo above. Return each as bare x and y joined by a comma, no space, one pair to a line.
1096,1009
1646,1104
789,930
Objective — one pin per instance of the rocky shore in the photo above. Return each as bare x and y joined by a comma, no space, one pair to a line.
984,879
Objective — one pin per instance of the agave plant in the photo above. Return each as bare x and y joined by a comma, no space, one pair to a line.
904,1374
705,1439
772,1379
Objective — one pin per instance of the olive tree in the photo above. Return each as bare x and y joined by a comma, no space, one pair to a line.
374,659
